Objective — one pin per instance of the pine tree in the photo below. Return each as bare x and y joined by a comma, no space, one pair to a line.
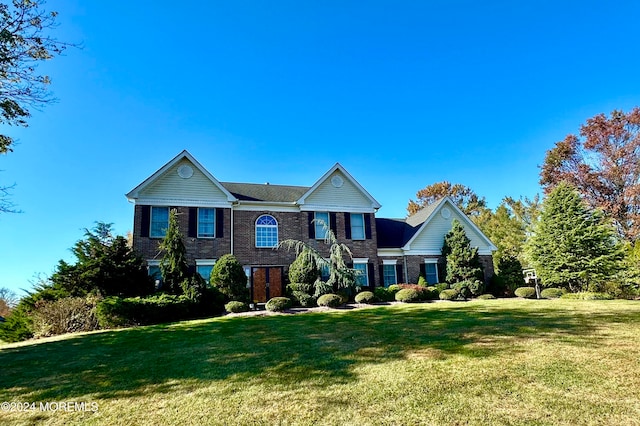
573,247
173,265
463,262
229,278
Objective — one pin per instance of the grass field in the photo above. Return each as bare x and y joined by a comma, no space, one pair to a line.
558,362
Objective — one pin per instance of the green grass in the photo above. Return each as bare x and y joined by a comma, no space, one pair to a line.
555,362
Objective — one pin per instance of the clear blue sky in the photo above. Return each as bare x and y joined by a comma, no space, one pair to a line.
403,94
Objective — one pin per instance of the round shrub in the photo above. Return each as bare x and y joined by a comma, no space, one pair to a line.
278,304
551,293
330,300
486,296
228,276
587,295
407,295
365,297
448,294
304,299
464,292
526,292
236,307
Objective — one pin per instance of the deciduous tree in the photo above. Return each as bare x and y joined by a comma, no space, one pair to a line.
463,196
603,163
573,246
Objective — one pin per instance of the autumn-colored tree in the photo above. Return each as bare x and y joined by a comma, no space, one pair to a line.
603,163
463,196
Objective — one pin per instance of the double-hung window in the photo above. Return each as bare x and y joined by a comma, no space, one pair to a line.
321,224
357,226
159,222
389,274
206,222
266,231
362,277
204,268
431,271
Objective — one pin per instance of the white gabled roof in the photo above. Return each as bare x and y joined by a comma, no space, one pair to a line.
372,203
135,192
429,212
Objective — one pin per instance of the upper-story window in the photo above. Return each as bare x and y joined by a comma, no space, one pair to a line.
206,222
321,224
266,231
357,226
159,222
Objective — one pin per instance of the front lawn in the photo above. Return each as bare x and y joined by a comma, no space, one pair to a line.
481,362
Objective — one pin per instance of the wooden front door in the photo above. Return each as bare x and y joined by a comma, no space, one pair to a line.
266,283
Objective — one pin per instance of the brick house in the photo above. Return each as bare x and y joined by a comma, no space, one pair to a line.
248,220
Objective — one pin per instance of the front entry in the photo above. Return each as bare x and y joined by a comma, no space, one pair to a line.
266,283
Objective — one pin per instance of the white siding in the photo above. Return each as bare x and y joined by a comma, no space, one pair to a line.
171,186
432,236
346,196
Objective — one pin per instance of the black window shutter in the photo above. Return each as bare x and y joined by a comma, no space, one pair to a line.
191,269
333,224
367,225
219,223
372,279
347,226
145,221
423,270
399,275
193,222
312,226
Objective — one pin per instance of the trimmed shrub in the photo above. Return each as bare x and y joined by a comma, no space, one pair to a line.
228,276
441,286
464,292
407,295
303,270
303,299
383,294
422,281
526,292
552,293
236,307
122,312
365,297
587,295
278,304
330,300
66,315
486,297
432,293
301,287
448,294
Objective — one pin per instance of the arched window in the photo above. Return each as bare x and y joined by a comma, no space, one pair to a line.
266,231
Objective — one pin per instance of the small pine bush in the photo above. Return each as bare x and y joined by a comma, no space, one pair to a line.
552,293
486,297
587,295
422,281
448,294
322,288
365,297
278,304
407,295
236,307
330,300
526,292
303,287
303,299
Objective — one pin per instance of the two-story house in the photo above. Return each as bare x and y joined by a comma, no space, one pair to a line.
248,220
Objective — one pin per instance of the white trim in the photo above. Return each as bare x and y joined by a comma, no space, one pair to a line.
332,208
255,206
255,230
374,204
395,274
135,192
153,262
390,252
363,261
205,262
389,261
431,261
180,202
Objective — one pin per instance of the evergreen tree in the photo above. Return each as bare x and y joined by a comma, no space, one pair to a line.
303,270
173,265
463,262
573,246
229,278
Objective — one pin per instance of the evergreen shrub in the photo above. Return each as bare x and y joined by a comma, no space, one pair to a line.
303,299
486,297
526,292
448,294
407,295
236,307
552,293
330,300
278,304
365,297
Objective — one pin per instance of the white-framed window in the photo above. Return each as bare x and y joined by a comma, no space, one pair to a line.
153,268
389,275
159,222
357,226
266,231
431,270
204,267
206,222
321,224
362,272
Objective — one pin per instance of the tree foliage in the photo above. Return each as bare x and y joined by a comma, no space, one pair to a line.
603,163
24,42
105,264
463,196
173,264
229,278
303,270
463,262
573,247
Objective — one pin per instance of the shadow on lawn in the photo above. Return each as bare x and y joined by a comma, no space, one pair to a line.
309,350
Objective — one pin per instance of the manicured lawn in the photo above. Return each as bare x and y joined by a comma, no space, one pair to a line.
483,362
